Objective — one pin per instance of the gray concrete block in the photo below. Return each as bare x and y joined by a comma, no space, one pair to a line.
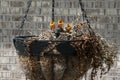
111,11
4,3
4,60
16,4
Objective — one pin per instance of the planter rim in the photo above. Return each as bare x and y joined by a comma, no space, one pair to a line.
49,41
39,45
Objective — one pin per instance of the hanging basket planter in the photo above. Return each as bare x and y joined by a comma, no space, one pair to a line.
68,56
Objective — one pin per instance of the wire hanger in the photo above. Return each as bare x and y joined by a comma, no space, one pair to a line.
20,29
85,18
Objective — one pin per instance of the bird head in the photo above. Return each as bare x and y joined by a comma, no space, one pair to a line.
52,25
68,27
60,23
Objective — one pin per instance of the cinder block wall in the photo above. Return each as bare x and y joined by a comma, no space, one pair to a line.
106,21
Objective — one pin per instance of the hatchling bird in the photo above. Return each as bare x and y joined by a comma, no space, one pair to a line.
59,29
52,25
60,25
68,27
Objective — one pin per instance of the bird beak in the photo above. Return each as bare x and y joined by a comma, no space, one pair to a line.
52,25
60,23
68,27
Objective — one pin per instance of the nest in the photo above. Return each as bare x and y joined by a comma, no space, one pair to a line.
92,52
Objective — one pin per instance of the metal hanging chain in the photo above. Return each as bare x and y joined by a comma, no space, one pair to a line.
84,12
25,17
52,57
84,15
53,5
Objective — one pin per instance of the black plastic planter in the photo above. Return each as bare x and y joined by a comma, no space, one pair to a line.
37,46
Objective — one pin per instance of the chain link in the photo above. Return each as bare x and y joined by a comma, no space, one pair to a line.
84,12
53,5
24,17
85,16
